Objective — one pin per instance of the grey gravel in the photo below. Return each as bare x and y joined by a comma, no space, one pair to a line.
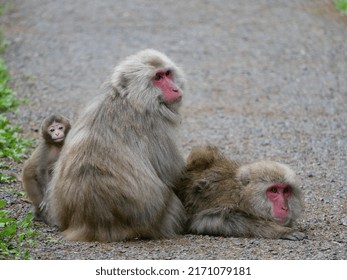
267,80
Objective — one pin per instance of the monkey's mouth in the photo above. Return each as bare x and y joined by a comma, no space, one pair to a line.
58,139
172,103
165,101
177,100
282,220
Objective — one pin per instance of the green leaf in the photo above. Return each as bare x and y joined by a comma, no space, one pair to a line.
2,203
341,5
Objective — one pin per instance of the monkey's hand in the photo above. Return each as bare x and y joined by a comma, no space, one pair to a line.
43,205
294,235
43,208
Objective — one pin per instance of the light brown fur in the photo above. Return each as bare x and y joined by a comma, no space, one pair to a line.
223,197
37,170
114,179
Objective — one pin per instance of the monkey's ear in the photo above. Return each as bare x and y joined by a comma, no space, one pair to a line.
243,174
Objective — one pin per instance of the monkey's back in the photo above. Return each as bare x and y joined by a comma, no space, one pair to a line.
108,185
209,182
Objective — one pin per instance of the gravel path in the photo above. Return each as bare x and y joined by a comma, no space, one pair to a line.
267,80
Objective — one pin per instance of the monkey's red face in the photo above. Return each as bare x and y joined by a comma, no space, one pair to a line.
163,79
278,195
56,130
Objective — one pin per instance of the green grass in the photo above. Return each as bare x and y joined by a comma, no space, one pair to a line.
11,144
15,235
3,42
8,100
6,7
341,5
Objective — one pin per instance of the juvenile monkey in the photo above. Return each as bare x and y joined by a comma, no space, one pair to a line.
114,179
222,197
37,170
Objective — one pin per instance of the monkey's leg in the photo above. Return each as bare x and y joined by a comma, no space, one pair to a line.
173,219
35,195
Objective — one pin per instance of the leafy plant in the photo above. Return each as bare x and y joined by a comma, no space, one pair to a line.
341,5
11,145
3,42
6,179
15,235
8,100
5,7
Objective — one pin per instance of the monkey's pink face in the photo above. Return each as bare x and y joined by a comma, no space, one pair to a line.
56,130
278,195
163,79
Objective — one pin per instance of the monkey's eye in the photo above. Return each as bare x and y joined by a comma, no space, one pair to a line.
274,190
52,130
61,128
157,77
168,73
286,190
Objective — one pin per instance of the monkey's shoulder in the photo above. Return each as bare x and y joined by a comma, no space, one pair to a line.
212,183
207,157
215,192
34,158
218,171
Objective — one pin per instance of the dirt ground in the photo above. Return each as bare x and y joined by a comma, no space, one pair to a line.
266,80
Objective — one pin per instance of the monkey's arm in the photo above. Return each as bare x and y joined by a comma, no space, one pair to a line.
49,156
42,179
234,223
30,182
